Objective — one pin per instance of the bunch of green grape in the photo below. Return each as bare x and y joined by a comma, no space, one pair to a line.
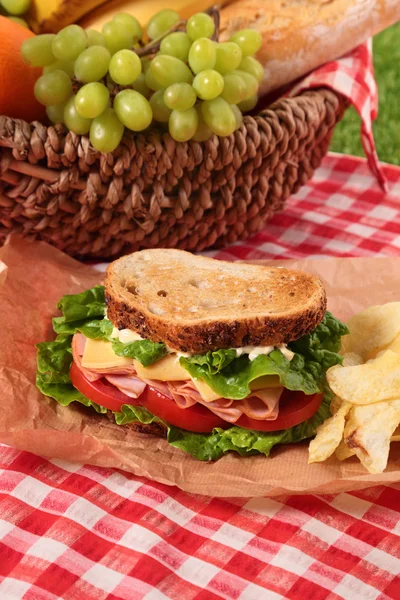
99,83
15,9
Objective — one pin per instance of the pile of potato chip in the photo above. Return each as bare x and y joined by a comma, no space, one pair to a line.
366,407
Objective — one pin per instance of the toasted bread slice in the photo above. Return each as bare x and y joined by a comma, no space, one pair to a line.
195,304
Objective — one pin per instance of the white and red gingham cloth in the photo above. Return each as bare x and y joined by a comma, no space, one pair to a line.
87,533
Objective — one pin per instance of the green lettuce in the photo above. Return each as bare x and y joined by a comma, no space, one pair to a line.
314,354
211,446
85,305
54,361
79,311
145,351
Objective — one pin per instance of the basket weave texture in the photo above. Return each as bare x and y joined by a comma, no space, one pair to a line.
155,192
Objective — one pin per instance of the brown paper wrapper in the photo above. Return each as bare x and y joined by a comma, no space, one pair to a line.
34,276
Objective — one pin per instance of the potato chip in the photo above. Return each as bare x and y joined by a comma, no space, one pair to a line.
368,431
374,381
329,435
372,330
394,346
351,359
343,452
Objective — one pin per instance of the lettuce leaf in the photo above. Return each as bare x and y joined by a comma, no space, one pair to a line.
97,329
52,378
145,351
79,311
88,304
314,354
211,446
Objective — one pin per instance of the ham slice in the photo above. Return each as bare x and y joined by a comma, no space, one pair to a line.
262,405
131,386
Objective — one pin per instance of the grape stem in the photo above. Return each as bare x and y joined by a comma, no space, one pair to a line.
213,11
154,45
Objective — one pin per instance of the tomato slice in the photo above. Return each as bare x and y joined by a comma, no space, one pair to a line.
196,418
294,407
100,391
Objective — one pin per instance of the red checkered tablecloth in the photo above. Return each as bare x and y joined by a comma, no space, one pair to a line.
86,533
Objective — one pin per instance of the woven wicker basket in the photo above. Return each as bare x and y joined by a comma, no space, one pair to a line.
155,192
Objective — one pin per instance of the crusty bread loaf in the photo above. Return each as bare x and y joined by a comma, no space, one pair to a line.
195,304
300,35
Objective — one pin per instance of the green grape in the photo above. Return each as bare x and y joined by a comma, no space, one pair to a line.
133,110
125,67
167,70
56,113
151,83
53,88
106,131
140,86
229,56
238,115
73,120
161,22
249,40
20,21
252,66
92,100
248,104
69,43
180,96
250,81
95,38
176,44
200,25
203,132
202,55
161,112
235,89
15,7
130,23
208,84
61,65
183,124
92,64
219,116
117,37
37,51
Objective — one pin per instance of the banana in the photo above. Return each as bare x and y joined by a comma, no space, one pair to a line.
143,10
48,16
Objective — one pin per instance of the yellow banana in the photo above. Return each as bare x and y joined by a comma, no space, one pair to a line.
143,10
52,15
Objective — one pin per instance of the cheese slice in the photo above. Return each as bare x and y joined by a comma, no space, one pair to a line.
165,369
100,355
205,391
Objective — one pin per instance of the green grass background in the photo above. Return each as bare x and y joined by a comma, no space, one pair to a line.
346,138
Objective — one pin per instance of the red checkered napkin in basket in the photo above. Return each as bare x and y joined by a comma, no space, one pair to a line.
353,76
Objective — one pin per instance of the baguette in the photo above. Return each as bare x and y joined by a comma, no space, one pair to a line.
195,304
300,35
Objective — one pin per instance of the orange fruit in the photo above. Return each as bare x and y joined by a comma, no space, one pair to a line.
17,78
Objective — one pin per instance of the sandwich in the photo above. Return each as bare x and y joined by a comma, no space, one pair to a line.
214,356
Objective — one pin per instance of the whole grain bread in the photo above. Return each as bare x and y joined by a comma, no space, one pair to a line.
195,304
